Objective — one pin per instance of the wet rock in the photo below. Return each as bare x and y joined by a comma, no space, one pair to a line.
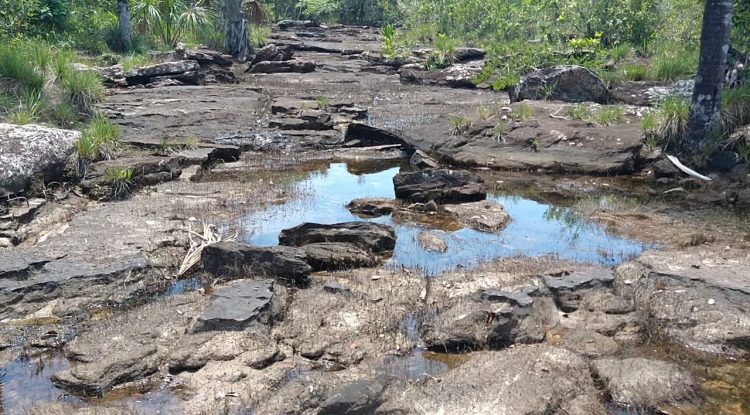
442,186
643,382
236,305
431,242
456,76
693,298
356,398
29,151
371,208
363,135
235,259
371,237
283,67
128,347
273,53
421,160
567,287
723,160
485,216
571,83
665,168
331,256
522,380
145,74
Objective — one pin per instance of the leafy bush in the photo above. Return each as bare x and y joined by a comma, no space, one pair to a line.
170,21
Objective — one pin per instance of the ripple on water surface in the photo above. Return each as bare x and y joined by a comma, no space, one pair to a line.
536,229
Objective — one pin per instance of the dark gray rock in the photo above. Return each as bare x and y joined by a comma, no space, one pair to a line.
363,135
170,69
204,56
422,160
273,53
332,256
643,383
723,160
665,168
235,259
371,237
29,151
569,83
236,305
283,67
589,343
440,185
356,398
287,24
606,302
460,75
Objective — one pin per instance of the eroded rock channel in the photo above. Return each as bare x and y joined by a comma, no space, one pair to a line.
369,260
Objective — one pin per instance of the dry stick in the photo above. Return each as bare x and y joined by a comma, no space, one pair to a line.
195,252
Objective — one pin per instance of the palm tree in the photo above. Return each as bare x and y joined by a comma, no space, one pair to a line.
705,110
236,40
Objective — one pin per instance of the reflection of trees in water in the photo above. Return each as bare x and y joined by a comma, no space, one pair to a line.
568,217
2,382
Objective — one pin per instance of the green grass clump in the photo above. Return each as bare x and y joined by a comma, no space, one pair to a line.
134,61
98,140
620,52
18,69
82,88
259,35
120,180
522,112
324,103
635,72
30,107
609,115
673,66
459,125
735,107
579,112
667,123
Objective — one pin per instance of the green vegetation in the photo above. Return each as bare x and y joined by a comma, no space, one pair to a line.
522,112
324,103
259,35
389,47
120,180
579,112
635,72
459,125
667,123
611,114
135,60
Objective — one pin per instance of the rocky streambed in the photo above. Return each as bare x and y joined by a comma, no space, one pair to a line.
349,280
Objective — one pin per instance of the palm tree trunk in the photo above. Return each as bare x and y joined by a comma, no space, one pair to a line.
124,28
236,40
705,110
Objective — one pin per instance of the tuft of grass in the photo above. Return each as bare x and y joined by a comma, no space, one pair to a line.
259,35
32,104
667,123
635,72
41,55
735,107
579,112
134,61
324,103
673,66
120,180
99,140
459,125
522,112
62,64
17,68
621,52
82,88
612,114
501,129
548,89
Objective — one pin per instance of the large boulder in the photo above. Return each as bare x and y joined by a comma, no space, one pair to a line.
29,151
372,237
440,185
236,259
569,83
235,306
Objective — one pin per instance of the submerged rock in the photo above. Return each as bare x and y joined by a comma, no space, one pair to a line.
568,83
440,185
29,151
234,306
371,237
372,208
431,242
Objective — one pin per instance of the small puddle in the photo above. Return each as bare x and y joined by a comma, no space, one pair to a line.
536,229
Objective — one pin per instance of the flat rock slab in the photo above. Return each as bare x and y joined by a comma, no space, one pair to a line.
371,237
236,259
439,185
234,306
485,216
27,151
283,67
643,383
591,278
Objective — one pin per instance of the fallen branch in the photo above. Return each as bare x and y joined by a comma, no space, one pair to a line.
686,169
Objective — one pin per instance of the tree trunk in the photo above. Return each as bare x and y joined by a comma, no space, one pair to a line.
236,40
705,110
124,28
